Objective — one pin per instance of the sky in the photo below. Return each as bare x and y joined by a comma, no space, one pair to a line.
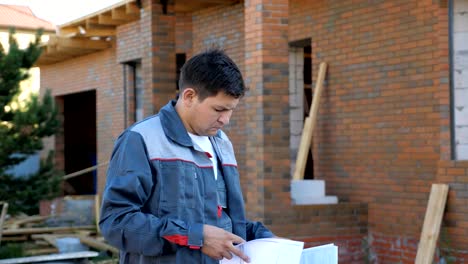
62,11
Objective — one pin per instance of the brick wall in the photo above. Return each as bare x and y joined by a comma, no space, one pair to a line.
260,127
128,40
97,71
159,61
384,122
343,224
454,232
222,27
183,33
383,134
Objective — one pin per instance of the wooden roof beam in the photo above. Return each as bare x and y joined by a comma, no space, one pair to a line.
90,22
94,31
83,43
73,52
108,20
132,8
71,31
121,14
100,32
220,1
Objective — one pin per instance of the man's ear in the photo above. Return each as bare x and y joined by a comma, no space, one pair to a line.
189,95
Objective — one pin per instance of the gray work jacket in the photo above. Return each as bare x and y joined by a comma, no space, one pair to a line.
161,189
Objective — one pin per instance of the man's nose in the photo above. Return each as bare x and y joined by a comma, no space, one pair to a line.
224,117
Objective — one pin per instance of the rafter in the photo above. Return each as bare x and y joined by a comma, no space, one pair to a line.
121,14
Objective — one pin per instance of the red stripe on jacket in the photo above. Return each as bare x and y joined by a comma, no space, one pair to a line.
180,240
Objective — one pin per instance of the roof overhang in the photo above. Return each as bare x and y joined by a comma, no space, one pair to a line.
97,31
88,34
188,6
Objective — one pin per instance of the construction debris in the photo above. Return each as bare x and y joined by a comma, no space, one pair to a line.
38,239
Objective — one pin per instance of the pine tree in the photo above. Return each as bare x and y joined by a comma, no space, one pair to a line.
23,125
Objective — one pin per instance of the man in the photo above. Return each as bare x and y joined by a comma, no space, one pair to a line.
173,193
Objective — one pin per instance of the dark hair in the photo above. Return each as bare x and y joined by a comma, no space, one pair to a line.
210,72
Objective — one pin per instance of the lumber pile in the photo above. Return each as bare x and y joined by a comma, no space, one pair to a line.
39,235
39,238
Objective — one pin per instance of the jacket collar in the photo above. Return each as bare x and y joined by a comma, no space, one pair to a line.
174,127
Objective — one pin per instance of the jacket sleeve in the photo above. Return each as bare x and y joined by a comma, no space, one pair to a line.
257,230
130,183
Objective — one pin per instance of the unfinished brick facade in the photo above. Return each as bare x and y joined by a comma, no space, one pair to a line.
383,133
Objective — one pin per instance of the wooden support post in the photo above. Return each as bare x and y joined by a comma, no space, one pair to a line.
309,126
431,226
304,147
317,94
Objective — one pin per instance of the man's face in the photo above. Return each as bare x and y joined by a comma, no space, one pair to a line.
205,118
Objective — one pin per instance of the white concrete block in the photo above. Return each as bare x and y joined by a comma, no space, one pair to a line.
460,5
462,152
461,115
296,100
307,188
304,200
461,135
459,40
461,97
460,21
296,127
461,56
460,77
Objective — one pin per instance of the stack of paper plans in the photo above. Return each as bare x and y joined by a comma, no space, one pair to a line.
269,251
325,254
284,251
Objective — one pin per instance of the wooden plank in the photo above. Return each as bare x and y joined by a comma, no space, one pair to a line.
51,239
94,243
40,251
15,224
431,226
40,230
84,239
15,238
51,257
317,94
97,212
304,146
309,126
2,218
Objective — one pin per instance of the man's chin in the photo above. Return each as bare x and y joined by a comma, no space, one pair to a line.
212,132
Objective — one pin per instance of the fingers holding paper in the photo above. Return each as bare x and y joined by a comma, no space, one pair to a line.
219,244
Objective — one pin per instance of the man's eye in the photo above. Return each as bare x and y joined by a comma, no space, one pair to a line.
219,110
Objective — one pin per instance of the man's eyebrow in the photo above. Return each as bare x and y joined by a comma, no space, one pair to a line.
222,107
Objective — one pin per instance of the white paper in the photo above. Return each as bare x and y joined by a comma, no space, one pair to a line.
325,254
269,251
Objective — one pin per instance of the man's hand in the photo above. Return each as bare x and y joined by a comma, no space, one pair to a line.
219,244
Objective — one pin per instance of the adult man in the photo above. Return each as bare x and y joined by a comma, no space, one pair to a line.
173,193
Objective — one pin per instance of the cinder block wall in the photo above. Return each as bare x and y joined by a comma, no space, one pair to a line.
384,124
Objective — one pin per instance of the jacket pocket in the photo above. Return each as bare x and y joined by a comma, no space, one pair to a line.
178,184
